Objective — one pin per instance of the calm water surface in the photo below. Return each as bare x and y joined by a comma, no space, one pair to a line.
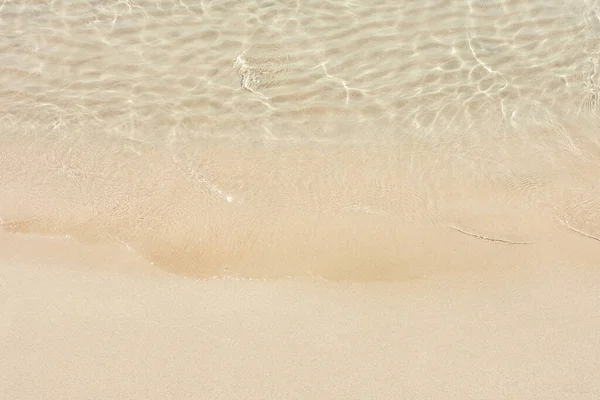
352,139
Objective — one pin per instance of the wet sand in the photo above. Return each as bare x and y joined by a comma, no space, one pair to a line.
366,211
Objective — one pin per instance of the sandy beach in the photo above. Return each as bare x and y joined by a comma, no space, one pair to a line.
69,332
300,199
527,330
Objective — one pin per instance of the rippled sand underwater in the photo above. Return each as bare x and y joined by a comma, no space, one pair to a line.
371,140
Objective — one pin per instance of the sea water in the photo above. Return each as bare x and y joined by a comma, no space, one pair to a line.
344,139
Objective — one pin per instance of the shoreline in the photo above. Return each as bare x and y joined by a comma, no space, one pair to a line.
339,212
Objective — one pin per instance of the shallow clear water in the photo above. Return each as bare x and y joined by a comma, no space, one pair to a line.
340,139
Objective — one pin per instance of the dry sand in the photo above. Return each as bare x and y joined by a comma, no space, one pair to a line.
528,331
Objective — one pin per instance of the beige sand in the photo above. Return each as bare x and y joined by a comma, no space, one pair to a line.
529,331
